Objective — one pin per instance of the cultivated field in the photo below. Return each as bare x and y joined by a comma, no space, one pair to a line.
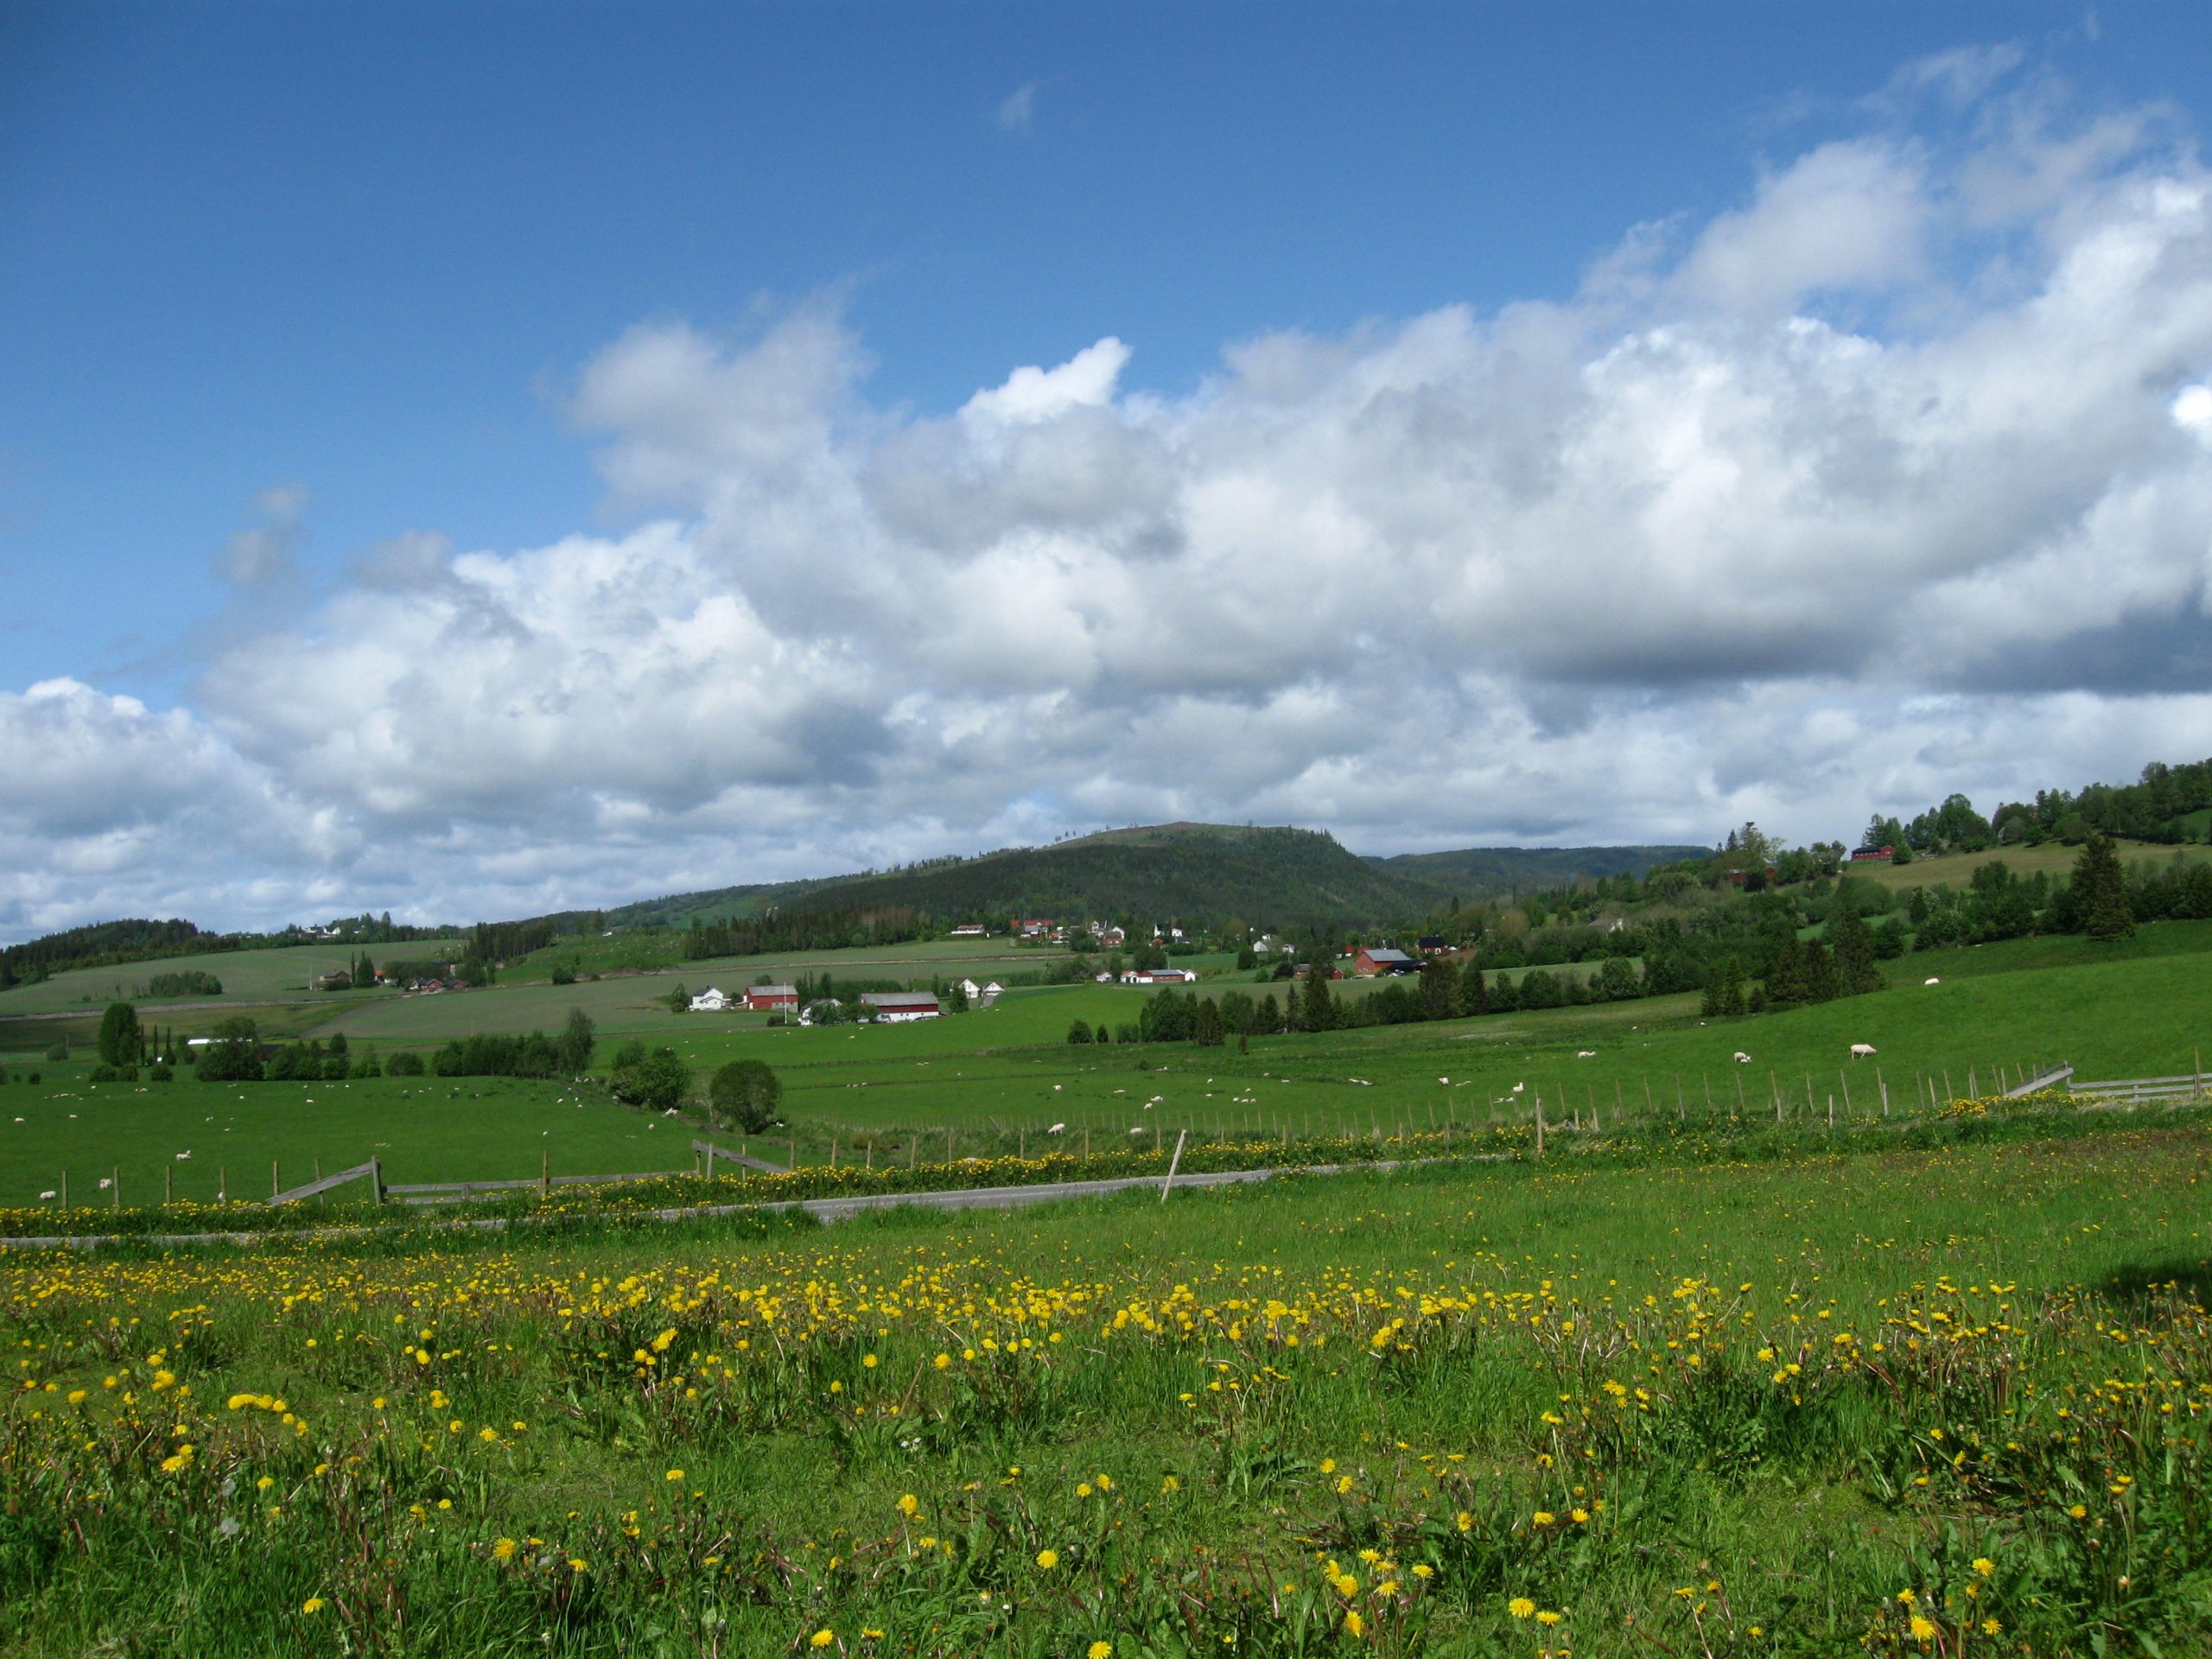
1951,1401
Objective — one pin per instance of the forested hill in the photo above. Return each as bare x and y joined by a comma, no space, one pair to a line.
1475,873
1200,873
716,904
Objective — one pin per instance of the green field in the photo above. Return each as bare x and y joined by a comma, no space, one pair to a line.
277,975
661,949
1002,1077
1815,1406
2054,859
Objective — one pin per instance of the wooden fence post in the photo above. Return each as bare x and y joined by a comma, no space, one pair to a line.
1845,1082
115,1187
1775,1083
169,1190
545,1172
65,1189
1173,1165
275,1186
1540,1126
376,1180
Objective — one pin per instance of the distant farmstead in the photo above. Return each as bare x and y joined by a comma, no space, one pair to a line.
710,1001
970,931
772,999
1372,961
1874,855
1158,976
899,1008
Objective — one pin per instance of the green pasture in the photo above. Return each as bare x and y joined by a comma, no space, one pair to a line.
1000,1078
424,1128
660,950
289,974
2052,858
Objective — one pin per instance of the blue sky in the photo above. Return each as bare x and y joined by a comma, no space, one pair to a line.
302,307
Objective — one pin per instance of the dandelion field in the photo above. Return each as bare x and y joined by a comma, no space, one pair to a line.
1945,1399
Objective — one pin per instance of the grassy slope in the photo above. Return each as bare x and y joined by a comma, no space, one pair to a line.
2052,858
247,976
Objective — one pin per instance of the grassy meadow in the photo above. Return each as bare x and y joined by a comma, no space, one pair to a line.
248,976
1910,1402
1001,1077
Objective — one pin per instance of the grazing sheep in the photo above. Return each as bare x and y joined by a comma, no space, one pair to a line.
1931,980
181,1156
1584,1053
1861,1050
1742,1059
1058,1128
1517,1087
1138,1130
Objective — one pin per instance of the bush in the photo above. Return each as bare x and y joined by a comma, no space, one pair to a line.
59,1052
658,1083
744,1095
32,1078
404,1065
160,1072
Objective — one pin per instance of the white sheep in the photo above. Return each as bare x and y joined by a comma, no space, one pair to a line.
1138,1130
1861,1050
1584,1053
1058,1128
1517,1087
1931,980
181,1156
1742,1059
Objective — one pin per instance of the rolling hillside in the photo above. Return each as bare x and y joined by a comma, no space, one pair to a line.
1268,876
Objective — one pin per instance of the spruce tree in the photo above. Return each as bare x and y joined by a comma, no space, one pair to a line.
1855,953
2100,892
1320,1006
1474,994
1823,983
1785,980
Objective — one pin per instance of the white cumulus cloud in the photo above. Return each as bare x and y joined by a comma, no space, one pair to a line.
1892,480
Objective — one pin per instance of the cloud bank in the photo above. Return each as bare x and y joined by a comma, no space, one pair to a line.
1895,478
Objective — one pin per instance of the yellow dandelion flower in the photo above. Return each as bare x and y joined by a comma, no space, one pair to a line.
313,1604
822,1638
1547,1616
1048,1559
1099,1650
1521,1607
1923,1630
1984,1566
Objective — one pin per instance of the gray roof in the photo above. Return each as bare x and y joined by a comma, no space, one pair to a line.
899,999
772,990
1387,956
